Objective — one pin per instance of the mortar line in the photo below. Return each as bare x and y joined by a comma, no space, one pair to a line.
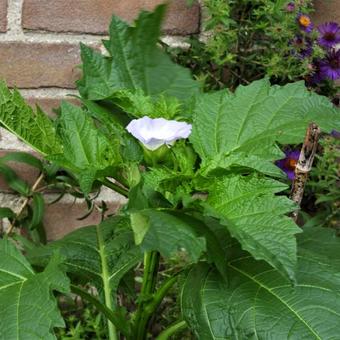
14,11
16,33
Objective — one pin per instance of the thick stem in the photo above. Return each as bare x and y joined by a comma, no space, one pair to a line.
172,329
160,294
151,261
106,283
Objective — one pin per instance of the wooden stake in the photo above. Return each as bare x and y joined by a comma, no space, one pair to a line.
304,165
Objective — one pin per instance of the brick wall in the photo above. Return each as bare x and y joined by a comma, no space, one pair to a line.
39,54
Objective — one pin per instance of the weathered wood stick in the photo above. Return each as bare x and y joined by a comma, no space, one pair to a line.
304,165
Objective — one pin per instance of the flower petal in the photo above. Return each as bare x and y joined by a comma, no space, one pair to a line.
155,132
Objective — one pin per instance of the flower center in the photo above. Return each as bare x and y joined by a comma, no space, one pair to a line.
299,42
304,21
329,36
291,163
335,63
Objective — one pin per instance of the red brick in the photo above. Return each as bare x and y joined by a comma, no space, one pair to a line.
34,65
3,15
48,104
326,11
63,217
93,16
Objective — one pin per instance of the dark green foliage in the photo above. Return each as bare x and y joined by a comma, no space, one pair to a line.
135,63
256,301
34,128
29,309
322,196
83,257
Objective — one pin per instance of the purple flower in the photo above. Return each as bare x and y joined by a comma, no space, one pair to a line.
329,34
290,7
303,46
335,134
316,76
288,163
330,66
305,22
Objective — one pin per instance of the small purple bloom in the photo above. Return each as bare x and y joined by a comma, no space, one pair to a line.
288,163
335,134
303,46
290,7
305,22
316,76
329,34
330,66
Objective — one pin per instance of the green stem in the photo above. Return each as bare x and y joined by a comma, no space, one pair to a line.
115,187
151,261
172,329
160,294
109,314
106,283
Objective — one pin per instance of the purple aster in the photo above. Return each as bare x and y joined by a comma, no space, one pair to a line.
288,163
330,66
329,34
316,76
335,134
290,7
305,22
303,46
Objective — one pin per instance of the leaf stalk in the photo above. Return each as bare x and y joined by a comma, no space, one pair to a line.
151,262
172,329
115,187
106,283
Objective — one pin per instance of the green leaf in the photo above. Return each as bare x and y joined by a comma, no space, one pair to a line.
252,119
87,151
13,181
247,206
7,213
38,210
173,185
135,63
239,160
22,157
168,233
111,123
29,309
257,302
89,250
139,105
140,226
34,128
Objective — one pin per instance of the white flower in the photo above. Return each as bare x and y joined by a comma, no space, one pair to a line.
153,133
